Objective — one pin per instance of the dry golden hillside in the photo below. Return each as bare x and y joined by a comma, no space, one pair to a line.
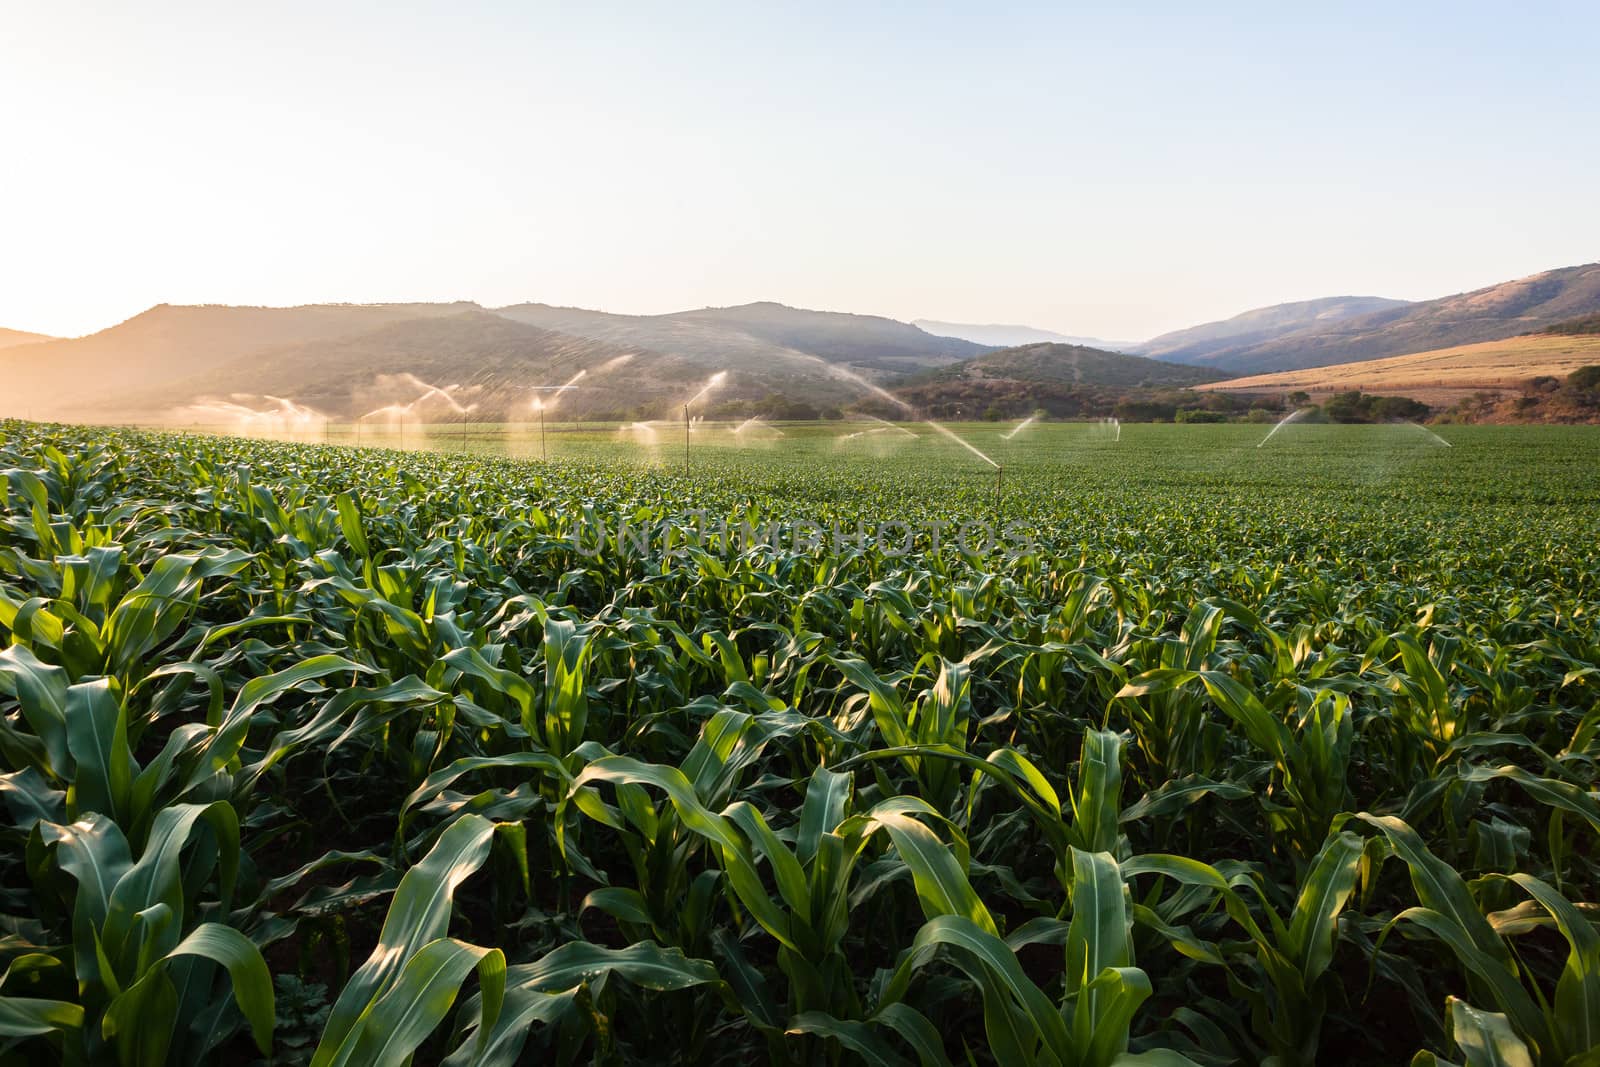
1440,377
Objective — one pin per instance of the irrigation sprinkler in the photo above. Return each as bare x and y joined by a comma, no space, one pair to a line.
715,380
544,448
999,493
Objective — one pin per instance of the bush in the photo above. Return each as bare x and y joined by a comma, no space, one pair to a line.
1347,407
1388,408
1131,410
1363,407
1585,379
1589,324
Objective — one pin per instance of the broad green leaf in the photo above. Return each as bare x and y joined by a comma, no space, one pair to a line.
410,1009
252,983
418,915
1485,1038
31,1016
1314,923
97,737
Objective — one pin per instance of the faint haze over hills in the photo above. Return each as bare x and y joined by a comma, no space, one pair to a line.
1007,335
170,343
349,359
1488,314
1059,379
646,159
344,360
764,332
1201,344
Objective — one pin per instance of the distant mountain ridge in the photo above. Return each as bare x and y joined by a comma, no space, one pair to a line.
11,338
1047,361
345,359
1063,380
1492,313
762,335
475,359
1003,335
766,357
170,343
840,337
1214,342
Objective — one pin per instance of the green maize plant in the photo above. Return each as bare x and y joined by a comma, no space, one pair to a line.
313,755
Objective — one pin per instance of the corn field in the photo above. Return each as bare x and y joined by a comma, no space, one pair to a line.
327,756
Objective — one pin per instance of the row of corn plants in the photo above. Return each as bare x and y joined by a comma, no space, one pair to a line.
322,756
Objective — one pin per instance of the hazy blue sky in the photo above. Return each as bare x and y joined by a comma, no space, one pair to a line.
1111,169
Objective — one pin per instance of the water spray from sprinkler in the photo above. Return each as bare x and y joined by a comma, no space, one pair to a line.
1019,427
756,424
541,405
1286,420
715,380
963,442
999,471
712,383
555,391
1433,436
886,427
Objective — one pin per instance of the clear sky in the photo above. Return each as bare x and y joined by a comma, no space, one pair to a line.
1095,168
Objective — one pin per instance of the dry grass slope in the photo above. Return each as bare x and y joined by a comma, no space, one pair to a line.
1440,377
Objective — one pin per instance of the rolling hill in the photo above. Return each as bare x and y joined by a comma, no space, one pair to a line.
764,339
344,360
12,338
169,344
1063,380
1079,365
1002,335
1212,342
347,359
442,365
1493,313
866,341
1440,377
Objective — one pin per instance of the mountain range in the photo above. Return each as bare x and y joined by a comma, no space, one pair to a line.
1007,336
1214,342
1059,379
1065,364
440,360
1351,329
452,360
